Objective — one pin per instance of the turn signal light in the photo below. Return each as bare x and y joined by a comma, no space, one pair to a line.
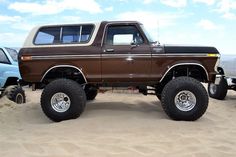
212,55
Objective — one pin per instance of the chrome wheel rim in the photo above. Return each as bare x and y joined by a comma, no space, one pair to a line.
185,101
60,102
19,98
212,88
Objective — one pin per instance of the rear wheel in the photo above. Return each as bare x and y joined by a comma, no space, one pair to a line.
63,99
184,98
218,91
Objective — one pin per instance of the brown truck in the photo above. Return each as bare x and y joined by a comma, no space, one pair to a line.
71,62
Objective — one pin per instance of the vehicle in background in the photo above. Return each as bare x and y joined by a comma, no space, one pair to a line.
9,75
228,82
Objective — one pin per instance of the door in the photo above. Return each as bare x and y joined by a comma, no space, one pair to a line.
126,55
4,65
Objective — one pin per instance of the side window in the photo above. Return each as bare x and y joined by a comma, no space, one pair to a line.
50,35
13,53
123,35
64,35
77,34
3,57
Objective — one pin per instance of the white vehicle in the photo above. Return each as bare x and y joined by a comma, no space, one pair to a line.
228,70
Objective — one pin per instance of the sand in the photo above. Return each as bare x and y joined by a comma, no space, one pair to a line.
117,125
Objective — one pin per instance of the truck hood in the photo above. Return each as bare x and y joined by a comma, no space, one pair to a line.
190,49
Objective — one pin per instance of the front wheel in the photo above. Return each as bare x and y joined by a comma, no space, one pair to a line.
184,98
63,99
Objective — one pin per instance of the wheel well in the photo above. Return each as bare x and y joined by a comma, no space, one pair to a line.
72,73
11,81
194,71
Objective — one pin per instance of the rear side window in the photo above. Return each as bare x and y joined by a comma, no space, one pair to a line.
48,36
76,34
64,35
3,57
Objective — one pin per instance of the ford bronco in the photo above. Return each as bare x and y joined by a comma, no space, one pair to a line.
71,62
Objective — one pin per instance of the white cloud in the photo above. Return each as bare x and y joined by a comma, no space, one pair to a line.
175,3
12,39
147,1
226,7
229,16
109,8
208,2
150,19
48,7
3,1
208,25
7,19
124,1
15,22
23,25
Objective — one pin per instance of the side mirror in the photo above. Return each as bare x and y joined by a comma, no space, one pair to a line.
133,44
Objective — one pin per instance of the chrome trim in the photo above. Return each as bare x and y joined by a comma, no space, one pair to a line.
217,64
218,79
179,64
80,33
113,55
181,54
126,55
90,56
60,102
64,57
68,66
185,101
61,33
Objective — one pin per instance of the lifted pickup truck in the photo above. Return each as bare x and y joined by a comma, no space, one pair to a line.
72,61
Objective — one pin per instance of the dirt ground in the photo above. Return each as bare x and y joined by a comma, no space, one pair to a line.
117,125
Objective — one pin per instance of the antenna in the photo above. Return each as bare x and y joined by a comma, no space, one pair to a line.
158,32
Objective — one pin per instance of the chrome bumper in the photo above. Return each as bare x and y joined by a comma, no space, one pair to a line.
218,78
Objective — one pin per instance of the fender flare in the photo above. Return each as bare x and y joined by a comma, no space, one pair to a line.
180,64
64,66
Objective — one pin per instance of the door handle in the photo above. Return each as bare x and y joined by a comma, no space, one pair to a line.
109,50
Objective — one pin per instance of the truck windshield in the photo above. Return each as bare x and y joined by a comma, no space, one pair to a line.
13,53
149,37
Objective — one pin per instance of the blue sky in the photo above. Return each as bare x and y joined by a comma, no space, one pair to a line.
191,22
